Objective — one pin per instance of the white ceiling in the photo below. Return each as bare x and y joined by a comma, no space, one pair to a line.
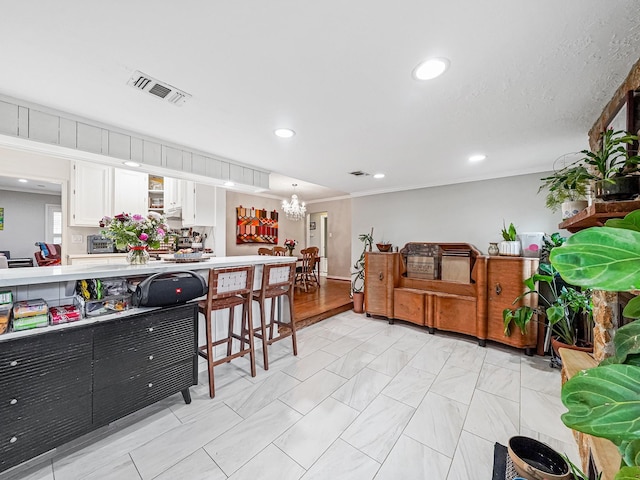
527,80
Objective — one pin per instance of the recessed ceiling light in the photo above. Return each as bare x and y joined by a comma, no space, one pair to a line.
379,175
131,164
432,68
22,180
284,133
477,158
229,184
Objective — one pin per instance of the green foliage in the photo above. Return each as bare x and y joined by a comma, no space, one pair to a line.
357,283
566,185
509,234
612,160
605,401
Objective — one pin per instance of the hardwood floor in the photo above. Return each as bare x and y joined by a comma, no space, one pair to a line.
319,303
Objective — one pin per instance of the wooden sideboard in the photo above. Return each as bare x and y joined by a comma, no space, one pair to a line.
472,307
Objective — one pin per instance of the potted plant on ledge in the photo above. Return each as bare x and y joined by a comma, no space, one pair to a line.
510,245
567,190
357,282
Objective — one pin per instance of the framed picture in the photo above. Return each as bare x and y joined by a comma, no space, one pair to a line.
312,225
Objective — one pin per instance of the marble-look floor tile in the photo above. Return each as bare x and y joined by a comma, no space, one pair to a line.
247,403
341,346
471,459
365,333
311,344
410,343
504,357
157,455
492,417
351,363
35,470
120,469
342,462
430,358
378,427
308,394
409,386
308,439
538,376
500,381
437,423
390,362
362,388
541,413
326,333
197,466
106,451
455,383
412,459
269,463
250,436
378,344
307,366
466,356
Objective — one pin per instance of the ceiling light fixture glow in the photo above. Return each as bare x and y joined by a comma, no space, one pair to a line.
477,158
229,184
294,209
131,164
284,132
430,69
23,180
379,175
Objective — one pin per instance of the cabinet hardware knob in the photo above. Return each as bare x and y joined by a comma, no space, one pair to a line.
13,401
150,357
13,439
498,289
151,329
381,276
14,363
150,385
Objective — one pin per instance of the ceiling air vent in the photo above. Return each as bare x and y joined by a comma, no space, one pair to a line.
162,90
358,173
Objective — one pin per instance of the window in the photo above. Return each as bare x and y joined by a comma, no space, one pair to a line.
53,224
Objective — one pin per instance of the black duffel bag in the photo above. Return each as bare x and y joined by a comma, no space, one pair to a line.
164,289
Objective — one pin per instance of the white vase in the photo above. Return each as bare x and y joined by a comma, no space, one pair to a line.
510,249
569,209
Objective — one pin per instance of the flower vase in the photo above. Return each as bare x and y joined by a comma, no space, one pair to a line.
290,251
137,255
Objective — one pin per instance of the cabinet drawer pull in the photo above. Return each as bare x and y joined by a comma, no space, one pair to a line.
151,329
13,439
150,357
150,385
498,289
14,363
381,276
13,401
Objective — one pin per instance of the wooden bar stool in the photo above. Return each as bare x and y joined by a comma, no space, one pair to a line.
228,288
277,281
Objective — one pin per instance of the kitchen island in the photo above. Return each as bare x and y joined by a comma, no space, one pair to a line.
62,381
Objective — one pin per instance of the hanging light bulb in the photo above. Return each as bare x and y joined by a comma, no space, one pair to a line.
294,208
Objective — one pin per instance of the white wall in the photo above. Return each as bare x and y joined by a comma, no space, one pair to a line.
468,212
24,221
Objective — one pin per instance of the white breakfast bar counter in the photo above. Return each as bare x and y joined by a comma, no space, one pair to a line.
60,382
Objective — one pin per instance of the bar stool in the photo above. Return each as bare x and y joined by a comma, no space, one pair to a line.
228,288
277,281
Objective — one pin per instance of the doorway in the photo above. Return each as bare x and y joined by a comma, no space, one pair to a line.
317,234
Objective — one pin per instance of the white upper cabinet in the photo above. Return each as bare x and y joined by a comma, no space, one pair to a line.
172,193
129,191
198,205
91,193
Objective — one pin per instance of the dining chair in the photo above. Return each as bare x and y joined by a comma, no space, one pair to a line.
280,251
265,251
305,274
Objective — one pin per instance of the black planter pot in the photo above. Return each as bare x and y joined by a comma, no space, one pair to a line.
619,188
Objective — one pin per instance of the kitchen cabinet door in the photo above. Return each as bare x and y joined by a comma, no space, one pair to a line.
129,191
172,193
91,193
198,205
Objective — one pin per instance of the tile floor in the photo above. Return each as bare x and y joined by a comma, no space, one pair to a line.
363,400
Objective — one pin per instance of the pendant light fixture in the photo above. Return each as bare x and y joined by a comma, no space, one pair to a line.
294,209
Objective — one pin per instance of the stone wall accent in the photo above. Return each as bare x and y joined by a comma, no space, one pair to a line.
605,315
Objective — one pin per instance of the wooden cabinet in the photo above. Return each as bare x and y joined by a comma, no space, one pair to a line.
198,205
129,191
381,277
58,385
91,193
505,276
45,393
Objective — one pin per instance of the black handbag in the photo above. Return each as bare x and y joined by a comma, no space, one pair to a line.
163,289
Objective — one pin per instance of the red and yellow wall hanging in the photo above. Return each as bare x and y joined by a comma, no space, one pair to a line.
256,226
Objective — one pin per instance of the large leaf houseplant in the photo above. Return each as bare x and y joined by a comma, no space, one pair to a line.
605,401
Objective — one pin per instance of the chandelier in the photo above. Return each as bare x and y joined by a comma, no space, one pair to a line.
294,209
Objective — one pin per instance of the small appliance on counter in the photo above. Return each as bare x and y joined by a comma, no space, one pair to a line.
99,244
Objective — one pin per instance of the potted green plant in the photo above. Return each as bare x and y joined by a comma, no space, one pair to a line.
612,166
567,190
357,282
510,245
605,401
